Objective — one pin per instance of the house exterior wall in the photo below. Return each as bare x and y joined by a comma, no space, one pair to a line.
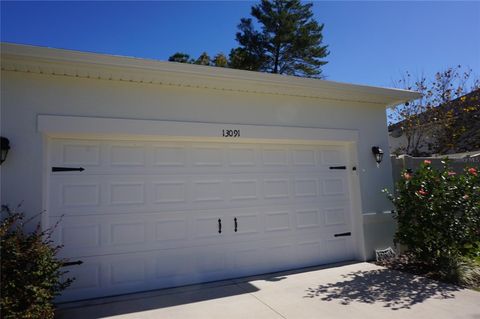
24,96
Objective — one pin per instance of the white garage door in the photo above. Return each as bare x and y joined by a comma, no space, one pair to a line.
147,215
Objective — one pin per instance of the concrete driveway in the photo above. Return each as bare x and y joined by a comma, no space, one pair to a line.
359,290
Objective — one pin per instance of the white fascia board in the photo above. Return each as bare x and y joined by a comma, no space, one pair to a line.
92,65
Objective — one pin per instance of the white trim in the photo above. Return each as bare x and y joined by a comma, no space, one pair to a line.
34,59
356,204
94,127
45,182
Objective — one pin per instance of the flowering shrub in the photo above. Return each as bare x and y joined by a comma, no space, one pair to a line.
438,214
30,271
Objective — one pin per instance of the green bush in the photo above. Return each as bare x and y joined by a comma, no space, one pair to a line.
30,272
438,215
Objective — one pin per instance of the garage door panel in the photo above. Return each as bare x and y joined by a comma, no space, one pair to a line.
85,237
169,156
116,274
122,194
137,231
128,271
249,224
248,260
145,215
79,194
70,152
309,252
305,157
275,156
192,155
338,249
306,187
209,226
333,157
334,186
126,193
174,263
242,156
171,229
244,188
211,261
208,155
335,215
86,278
307,218
169,190
127,154
208,189
281,255
98,235
278,221
276,187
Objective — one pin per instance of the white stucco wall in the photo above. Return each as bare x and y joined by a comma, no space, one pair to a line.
26,95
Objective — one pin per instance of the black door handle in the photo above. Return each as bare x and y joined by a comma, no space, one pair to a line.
219,226
236,224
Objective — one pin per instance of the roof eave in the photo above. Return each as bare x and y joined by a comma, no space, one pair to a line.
35,59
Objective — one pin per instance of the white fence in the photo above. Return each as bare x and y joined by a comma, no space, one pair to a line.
457,162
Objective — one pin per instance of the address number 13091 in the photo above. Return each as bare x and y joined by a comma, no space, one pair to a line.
231,133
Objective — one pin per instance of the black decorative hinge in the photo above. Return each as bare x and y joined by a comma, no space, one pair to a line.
67,169
343,234
338,167
72,263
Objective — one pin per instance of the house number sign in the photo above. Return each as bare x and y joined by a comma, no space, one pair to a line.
231,133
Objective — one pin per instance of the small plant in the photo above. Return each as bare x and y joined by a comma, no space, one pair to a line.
30,271
438,215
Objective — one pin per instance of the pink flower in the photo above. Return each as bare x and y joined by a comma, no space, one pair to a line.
472,171
465,196
451,173
422,192
427,162
407,176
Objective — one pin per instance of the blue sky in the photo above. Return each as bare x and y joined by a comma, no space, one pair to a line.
370,42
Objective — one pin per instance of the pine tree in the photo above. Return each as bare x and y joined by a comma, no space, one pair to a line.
289,42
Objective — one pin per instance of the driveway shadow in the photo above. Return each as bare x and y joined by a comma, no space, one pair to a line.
135,304
395,290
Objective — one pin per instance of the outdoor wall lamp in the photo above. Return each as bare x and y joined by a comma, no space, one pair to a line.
4,148
378,153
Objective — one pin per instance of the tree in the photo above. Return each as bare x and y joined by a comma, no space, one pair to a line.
220,60
435,123
289,42
180,58
203,59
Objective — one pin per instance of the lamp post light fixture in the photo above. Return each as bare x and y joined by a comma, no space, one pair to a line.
378,153
4,148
